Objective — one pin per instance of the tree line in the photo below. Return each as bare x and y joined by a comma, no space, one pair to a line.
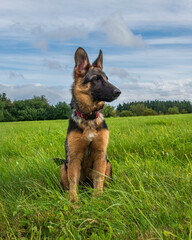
146,108
38,108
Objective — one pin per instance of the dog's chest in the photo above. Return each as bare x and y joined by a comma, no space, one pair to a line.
89,130
89,134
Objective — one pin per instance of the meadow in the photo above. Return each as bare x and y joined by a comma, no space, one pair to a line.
150,196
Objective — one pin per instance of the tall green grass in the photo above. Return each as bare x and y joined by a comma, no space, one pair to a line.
149,198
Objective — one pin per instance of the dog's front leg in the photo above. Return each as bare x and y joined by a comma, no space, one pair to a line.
99,169
74,169
76,149
98,154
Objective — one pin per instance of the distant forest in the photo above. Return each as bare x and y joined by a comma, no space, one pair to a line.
156,107
38,108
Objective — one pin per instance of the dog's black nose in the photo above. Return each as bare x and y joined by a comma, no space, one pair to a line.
116,92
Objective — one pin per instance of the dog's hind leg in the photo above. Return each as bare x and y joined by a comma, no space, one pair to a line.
64,178
108,172
98,154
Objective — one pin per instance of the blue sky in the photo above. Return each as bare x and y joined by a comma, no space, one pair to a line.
147,47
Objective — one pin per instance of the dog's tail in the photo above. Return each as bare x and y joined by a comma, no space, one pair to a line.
59,161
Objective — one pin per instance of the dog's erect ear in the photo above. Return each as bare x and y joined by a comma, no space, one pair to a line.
81,60
99,61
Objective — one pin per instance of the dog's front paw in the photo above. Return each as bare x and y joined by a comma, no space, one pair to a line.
73,197
97,192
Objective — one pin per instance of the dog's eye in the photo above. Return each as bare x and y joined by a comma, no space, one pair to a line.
97,81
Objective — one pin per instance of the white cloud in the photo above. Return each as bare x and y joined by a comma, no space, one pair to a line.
118,33
164,90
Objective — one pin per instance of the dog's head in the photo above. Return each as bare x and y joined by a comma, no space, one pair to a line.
91,86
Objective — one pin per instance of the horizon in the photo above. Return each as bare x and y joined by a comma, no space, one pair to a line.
146,47
106,103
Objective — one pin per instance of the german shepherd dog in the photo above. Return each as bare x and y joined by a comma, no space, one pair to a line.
87,134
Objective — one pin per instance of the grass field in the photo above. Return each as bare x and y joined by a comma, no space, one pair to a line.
150,197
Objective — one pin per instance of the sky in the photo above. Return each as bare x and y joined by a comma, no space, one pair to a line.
147,47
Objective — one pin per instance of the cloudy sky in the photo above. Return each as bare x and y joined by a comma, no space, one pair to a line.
147,46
